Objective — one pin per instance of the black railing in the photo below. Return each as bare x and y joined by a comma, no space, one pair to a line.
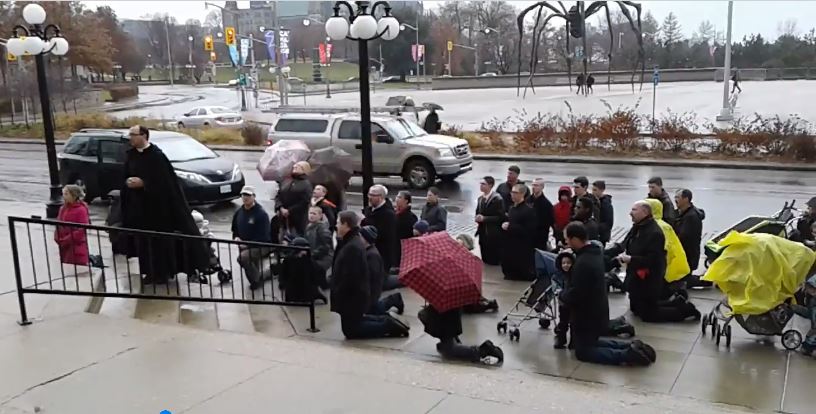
192,268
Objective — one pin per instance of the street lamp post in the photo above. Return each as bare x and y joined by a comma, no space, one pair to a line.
39,41
361,26
404,26
328,67
726,114
190,57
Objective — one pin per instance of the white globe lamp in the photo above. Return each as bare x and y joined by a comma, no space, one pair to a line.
59,46
364,27
33,45
337,28
15,46
34,14
389,27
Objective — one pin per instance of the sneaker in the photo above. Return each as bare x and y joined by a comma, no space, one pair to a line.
487,349
646,348
560,342
636,357
691,312
397,327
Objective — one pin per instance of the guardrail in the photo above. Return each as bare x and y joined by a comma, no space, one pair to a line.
44,266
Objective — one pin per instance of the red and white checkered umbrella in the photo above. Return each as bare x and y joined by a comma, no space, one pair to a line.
440,270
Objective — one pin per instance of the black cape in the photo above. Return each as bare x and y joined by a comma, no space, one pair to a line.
160,206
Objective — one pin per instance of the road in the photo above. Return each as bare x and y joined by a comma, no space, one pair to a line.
725,195
468,109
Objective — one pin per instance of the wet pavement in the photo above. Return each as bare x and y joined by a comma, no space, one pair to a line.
752,373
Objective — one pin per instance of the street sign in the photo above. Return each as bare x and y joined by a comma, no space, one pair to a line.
229,36
450,46
10,57
656,76
208,43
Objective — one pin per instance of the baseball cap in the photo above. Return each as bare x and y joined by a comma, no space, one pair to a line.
248,189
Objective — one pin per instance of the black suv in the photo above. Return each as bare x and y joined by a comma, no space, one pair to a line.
94,159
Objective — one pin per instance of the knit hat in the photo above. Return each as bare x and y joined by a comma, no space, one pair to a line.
422,227
811,202
369,233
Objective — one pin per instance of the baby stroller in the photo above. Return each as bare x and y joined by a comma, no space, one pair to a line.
780,224
214,267
771,323
539,298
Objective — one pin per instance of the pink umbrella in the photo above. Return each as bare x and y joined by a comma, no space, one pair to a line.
277,161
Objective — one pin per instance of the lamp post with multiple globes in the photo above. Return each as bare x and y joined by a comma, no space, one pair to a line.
38,39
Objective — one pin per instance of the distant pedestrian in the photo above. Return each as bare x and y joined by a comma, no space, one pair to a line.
735,80
657,192
72,241
606,218
543,209
380,213
589,82
490,214
433,213
250,223
519,240
432,124
504,189
580,82
293,200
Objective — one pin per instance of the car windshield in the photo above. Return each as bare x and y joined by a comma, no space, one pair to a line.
184,149
414,130
219,110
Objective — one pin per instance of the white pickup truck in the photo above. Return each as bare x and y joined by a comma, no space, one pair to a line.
400,147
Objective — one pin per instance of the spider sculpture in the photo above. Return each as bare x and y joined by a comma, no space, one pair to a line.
575,26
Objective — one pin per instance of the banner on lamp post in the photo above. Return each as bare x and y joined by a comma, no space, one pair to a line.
233,53
269,35
321,48
244,50
284,46
417,52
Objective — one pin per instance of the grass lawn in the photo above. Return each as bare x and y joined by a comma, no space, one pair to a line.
339,72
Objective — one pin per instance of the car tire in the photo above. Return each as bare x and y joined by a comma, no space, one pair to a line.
206,125
181,125
419,173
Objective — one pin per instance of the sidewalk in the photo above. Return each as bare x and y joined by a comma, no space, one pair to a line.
80,363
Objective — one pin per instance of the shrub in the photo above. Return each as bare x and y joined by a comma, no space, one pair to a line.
620,127
803,148
475,140
453,131
217,136
494,130
119,92
673,132
576,131
254,134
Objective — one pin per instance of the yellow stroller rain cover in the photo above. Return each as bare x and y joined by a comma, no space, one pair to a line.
758,272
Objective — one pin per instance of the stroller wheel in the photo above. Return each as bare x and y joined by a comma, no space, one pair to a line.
515,334
728,336
717,333
791,339
704,324
502,327
544,323
715,326
225,276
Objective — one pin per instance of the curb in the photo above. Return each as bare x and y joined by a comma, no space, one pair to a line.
724,164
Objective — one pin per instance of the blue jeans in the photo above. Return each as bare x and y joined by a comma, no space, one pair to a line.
392,282
602,351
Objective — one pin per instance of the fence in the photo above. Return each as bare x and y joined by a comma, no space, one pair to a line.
43,252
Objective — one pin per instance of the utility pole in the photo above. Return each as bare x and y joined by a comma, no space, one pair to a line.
476,59
419,85
169,55
253,72
726,114
282,86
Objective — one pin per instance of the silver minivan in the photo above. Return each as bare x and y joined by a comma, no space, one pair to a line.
400,147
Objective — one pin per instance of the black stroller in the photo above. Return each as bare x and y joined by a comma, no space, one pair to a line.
539,298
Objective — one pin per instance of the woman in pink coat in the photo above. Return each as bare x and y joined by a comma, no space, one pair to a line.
72,241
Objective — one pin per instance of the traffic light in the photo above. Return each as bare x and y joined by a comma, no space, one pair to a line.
208,43
10,57
229,36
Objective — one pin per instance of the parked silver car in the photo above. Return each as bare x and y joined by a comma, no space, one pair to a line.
400,147
211,116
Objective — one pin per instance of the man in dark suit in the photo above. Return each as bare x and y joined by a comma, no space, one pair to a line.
490,215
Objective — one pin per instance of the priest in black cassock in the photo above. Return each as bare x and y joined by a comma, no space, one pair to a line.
152,199
518,249
490,215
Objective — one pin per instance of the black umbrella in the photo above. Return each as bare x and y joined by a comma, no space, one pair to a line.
431,105
331,165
